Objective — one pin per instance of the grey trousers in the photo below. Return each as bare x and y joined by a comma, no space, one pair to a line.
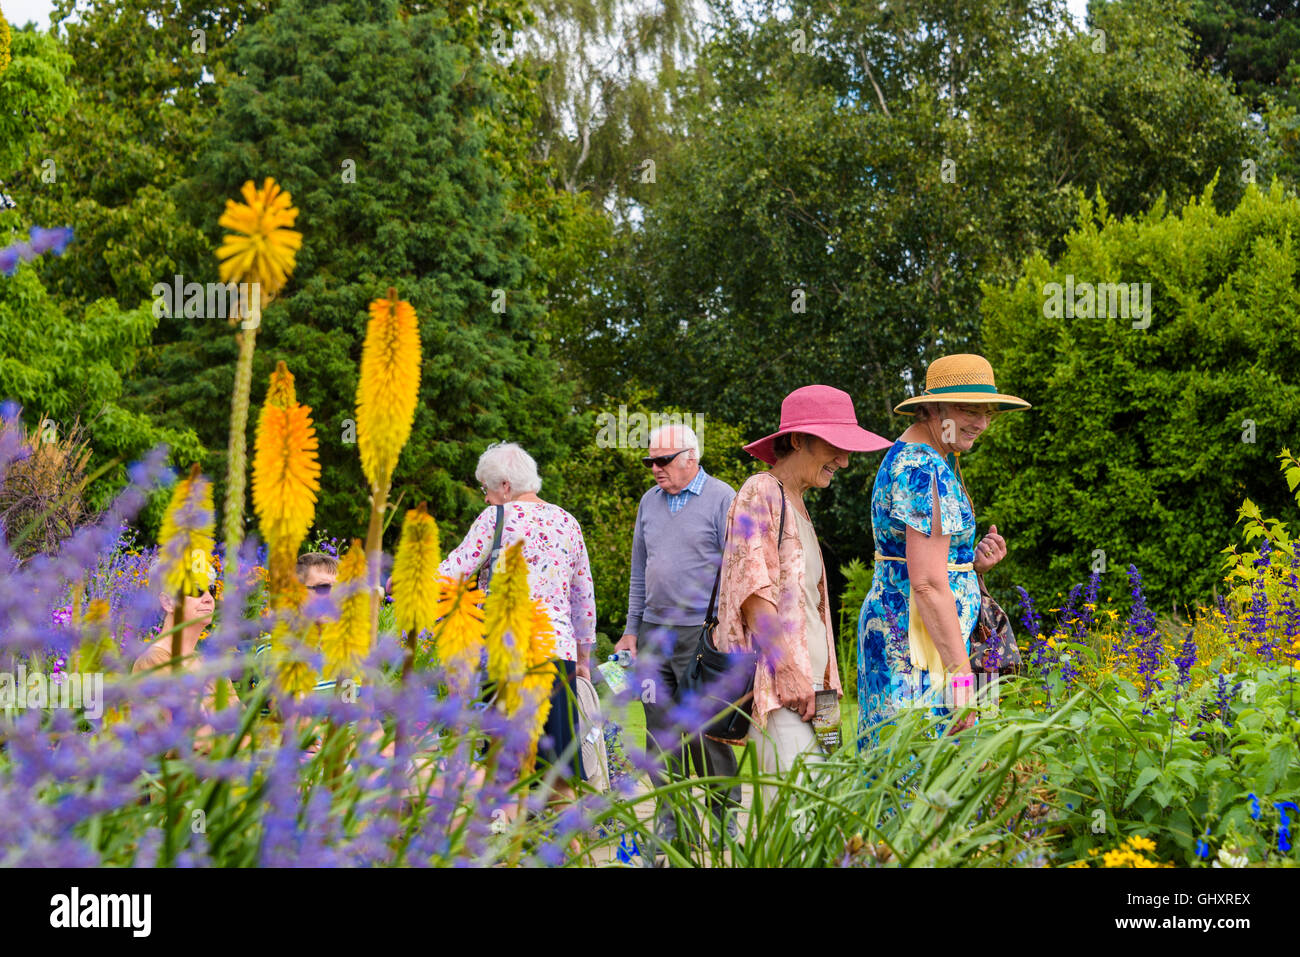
673,649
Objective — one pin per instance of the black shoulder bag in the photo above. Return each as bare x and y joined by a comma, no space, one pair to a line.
485,571
726,678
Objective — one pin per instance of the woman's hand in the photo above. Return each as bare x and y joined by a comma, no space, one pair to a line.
795,691
991,550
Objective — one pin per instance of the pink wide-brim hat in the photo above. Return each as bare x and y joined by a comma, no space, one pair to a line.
824,412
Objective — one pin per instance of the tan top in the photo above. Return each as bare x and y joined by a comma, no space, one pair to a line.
812,579
159,654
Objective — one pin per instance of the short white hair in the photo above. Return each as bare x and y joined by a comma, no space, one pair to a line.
689,440
507,462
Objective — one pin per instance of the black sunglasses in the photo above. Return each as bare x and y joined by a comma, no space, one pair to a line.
322,589
659,460
211,590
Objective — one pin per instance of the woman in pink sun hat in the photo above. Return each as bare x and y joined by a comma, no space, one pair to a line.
772,596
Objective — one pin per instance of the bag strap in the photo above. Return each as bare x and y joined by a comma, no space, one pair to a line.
496,546
711,619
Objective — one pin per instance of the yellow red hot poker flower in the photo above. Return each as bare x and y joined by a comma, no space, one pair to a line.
460,635
389,386
415,572
508,616
186,536
262,247
534,699
286,479
345,643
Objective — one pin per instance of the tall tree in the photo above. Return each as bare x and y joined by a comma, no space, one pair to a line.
377,125
855,175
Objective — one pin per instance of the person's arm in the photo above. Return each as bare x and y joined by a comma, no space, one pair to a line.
927,571
467,557
636,589
793,689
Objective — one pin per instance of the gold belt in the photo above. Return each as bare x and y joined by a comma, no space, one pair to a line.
919,643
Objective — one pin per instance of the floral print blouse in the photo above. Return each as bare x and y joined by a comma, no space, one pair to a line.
559,572
751,565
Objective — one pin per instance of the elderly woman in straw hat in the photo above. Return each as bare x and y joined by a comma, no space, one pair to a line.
772,594
915,626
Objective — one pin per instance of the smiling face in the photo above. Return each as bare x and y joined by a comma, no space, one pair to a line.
968,423
815,461
198,610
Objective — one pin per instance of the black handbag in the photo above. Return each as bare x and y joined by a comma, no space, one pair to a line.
725,678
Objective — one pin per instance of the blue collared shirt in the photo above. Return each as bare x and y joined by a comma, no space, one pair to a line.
675,502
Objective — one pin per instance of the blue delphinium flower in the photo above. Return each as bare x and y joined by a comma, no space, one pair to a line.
1142,637
1185,658
1284,826
1257,618
1254,807
1203,847
1088,609
1039,654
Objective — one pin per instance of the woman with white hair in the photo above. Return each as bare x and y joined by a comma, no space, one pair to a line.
559,573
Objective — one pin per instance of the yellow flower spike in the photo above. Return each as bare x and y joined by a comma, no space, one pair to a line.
97,642
389,386
534,698
186,536
346,642
293,675
262,247
508,618
460,636
415,573
286,469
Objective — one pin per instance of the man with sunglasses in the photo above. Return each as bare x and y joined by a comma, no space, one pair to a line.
676,551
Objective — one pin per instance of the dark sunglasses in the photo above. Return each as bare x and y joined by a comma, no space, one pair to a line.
211,590
322,589
659,460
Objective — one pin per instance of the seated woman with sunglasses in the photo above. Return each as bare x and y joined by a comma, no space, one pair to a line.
196,617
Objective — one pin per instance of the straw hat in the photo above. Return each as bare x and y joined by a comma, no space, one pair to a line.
960,378
824,412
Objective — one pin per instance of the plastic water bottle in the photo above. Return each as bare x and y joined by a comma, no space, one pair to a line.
624,658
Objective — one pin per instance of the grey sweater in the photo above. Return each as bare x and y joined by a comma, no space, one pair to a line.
675,558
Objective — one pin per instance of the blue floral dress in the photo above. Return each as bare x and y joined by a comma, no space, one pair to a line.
903,495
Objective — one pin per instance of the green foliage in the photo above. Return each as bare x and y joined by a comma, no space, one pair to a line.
857,582
69,369
1143,440
427,211
34,93
845,190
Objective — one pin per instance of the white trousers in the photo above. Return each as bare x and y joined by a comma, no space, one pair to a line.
786,737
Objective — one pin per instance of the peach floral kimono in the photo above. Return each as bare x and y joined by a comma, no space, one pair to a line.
750,566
